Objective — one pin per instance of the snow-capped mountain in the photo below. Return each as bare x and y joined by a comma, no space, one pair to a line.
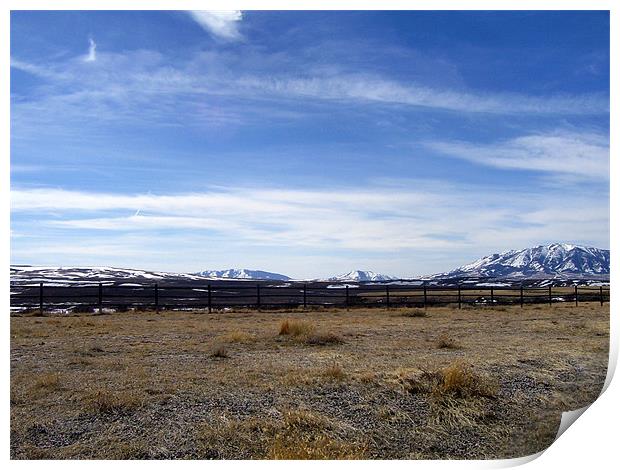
50,275
361,276
243,274
557,259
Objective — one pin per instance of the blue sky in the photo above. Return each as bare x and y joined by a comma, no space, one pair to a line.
307,143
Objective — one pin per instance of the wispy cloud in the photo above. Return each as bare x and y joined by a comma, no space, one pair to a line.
220,24
376,89
211,90
92,51
378,219
580,155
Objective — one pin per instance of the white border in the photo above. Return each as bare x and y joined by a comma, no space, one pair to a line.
591,442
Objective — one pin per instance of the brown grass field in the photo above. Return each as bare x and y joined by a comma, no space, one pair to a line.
486,382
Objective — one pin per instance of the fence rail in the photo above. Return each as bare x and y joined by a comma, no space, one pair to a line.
217,297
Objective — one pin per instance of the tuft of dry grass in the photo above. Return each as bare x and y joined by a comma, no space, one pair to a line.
296,327
368,377
306,435
238,336
219,351
47,381
323,339
415,313
458,380
296,434
305,331
90,351
445,341
108,402
334,371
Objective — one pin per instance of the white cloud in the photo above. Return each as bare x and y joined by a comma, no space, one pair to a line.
379,219
92,51
221,24
382,90
217,90
579,155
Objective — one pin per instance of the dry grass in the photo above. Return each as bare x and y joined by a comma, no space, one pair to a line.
296,327
445,341
47,381
416,313
107,402
457,380
238,337
323,338
219,351
295,434
334,371
309,436
306,332
363,383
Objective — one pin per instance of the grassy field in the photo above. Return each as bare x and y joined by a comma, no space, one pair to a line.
487,382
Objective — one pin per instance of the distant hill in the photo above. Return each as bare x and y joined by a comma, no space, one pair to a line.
67,275
361,276
557,259
243,274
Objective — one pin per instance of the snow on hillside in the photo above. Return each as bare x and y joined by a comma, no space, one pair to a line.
243,274
361,276
72,275
556,259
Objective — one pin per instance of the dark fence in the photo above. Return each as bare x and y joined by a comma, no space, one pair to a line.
210,297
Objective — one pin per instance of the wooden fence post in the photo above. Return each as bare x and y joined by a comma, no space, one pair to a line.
100,298
459,286
40,298
209,297
601,294
424,294
387,296
156,298
258,296
521,295
576,297
305,296
550,298
347,295
492,296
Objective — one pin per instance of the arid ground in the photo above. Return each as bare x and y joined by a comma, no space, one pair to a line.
485,382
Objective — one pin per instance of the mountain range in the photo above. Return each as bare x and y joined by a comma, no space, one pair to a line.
234,273
555,260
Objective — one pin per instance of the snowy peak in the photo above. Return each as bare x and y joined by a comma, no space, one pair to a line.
235,273
361,276
77,275
550,260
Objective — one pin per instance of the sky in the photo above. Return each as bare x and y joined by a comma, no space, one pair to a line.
306,143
